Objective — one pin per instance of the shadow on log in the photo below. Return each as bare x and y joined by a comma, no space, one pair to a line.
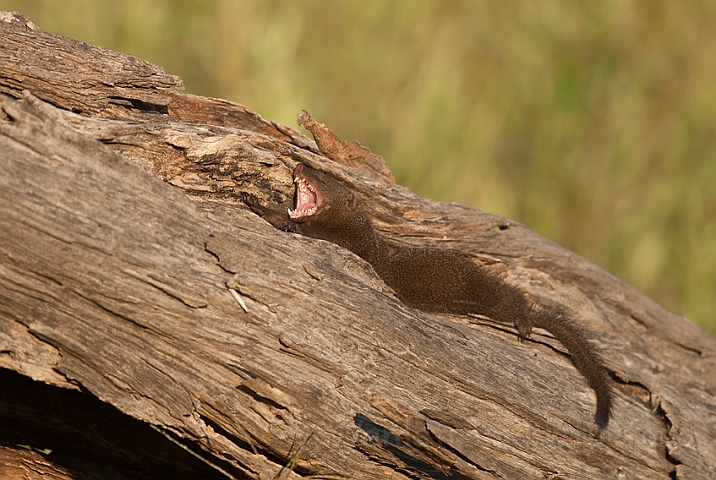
132,277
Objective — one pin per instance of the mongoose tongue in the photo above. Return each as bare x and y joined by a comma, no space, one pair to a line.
306,199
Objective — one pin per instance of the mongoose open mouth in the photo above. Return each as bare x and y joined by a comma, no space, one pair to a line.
306,197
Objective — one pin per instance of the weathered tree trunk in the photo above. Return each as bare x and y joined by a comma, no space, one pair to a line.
167,330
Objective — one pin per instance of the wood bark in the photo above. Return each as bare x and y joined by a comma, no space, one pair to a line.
140,300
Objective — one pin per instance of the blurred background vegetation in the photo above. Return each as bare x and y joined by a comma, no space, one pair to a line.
593,123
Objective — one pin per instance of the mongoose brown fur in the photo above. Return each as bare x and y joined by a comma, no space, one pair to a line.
429,279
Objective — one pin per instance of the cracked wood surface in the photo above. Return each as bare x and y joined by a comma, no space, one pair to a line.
125,249
21,464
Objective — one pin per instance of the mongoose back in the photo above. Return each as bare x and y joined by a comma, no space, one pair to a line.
430,279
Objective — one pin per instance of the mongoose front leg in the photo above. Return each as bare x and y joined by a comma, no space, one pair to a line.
278,219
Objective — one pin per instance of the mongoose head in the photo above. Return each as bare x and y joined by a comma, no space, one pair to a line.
320,199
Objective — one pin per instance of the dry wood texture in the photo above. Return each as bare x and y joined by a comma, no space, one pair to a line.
125,259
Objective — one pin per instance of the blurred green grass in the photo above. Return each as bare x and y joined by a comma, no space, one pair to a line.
594,123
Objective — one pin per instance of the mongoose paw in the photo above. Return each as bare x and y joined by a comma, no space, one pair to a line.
249,199
288,226
524,329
